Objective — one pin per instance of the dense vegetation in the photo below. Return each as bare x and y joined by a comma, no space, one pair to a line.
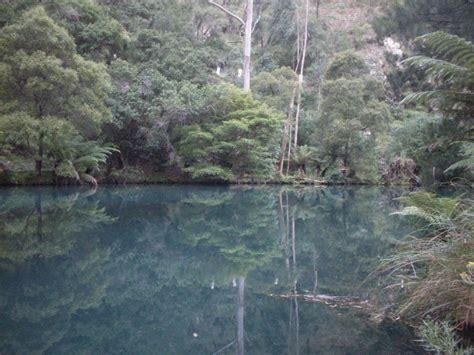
341,91
119,91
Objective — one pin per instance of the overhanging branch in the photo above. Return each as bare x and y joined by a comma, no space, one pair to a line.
228,12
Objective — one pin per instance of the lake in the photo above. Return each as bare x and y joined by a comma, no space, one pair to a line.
194,270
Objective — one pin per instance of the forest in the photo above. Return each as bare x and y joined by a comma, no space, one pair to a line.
301,94
359,92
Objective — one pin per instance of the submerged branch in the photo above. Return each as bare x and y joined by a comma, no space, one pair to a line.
367,307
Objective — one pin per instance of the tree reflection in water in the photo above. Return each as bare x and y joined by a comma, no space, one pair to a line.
151,269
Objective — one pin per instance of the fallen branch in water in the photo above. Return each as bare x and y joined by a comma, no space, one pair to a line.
365,306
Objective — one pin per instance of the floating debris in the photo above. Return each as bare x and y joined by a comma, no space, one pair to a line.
355,303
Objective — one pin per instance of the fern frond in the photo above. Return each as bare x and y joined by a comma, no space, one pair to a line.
468,162
450,48
442,70
430,204
445,97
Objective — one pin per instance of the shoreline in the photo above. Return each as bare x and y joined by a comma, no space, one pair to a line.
27,178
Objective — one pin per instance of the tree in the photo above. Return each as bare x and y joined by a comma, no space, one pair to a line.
291,129
301,61
248,29
275,88
46,80
449,68
234,140
353,119
74,159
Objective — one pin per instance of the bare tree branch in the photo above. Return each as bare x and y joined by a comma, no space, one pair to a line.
228,12
256,23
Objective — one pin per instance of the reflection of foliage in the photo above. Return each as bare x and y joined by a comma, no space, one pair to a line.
42,239
36,225
240,226
346,232
163,270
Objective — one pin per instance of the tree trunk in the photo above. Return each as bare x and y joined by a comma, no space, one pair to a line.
248,25
248,43
301,74
286,132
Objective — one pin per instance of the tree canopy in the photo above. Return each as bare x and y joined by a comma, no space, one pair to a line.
150,90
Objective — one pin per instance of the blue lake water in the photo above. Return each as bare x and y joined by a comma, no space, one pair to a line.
192,270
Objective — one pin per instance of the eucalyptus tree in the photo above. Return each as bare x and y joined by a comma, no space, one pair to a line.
291,128
247,22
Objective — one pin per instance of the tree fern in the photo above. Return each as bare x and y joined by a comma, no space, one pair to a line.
468,161
451,70
451,73
437,211
449,47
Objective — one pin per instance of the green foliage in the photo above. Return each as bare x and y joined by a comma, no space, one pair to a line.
467,151
18,130
450,69
46,78
411,18
441,338
162,108
346,65
71,156
425,138
175,57
434,271
353,120
425,205
48,92
97,35
239,137
275,88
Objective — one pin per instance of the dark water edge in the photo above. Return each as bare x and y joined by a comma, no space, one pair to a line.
30,178
175,269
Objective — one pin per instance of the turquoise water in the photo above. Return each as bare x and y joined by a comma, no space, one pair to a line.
191,270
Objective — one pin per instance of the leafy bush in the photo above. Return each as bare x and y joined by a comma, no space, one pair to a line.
235,138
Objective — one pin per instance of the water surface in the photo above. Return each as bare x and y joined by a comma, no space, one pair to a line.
189,270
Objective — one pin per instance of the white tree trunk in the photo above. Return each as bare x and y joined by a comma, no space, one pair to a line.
286,132
301,74
248,43
249,27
